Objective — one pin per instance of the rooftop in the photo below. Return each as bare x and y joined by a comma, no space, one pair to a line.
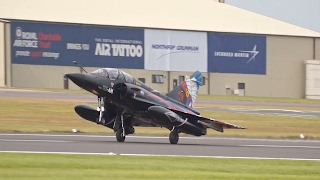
196,15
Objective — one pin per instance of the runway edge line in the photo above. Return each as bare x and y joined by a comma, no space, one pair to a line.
156,155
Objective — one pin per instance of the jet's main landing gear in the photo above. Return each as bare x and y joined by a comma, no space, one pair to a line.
174,136
121,134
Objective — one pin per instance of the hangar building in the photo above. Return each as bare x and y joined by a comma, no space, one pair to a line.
239,52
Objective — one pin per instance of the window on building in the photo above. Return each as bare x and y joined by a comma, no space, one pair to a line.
203,80
175,83
241,85
181,78
156,78
142,80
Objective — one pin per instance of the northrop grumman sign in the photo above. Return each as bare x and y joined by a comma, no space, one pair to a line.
175,50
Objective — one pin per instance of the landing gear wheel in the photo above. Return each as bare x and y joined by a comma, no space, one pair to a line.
174,137
120,135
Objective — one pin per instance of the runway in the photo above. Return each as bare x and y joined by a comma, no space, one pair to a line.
159,145
149,145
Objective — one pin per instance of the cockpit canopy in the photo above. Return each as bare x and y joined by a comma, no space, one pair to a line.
113,74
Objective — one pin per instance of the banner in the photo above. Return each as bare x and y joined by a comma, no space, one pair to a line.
175,50
231,53
91,46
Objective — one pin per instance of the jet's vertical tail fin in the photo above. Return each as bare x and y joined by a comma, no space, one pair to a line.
186,92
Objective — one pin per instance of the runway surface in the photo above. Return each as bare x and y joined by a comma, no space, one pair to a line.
154,145
146,145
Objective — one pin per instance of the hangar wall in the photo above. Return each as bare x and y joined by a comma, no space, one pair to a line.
5,53
285,76
286,57
31,40
41,76
225,84
271,66
8,55
317,48
2,54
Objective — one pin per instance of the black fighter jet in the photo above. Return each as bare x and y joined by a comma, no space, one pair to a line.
125,102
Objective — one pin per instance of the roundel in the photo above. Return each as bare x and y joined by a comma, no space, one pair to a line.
18,32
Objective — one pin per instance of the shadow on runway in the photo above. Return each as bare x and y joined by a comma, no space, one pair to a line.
113,142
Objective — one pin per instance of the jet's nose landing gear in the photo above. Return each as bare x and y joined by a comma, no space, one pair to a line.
174,136
100,109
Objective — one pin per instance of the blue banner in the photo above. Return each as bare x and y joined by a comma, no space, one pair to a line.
90,46
231,53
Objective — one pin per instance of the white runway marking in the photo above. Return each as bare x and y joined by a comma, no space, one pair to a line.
162,137
275,146
32,140
111,153
250,145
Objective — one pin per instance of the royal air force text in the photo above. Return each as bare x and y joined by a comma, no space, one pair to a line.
124,50
35,40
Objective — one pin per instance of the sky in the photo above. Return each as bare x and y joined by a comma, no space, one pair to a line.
303,13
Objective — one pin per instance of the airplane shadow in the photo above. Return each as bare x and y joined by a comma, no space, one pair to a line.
156,143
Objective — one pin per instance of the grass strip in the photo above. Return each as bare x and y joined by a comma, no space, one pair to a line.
258,99
54,166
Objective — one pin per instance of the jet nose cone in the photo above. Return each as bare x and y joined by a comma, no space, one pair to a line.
78,78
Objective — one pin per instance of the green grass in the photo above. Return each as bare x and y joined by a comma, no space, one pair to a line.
258,99
268,126
302,108
53,166
39,115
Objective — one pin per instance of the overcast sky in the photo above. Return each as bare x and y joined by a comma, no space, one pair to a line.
304,13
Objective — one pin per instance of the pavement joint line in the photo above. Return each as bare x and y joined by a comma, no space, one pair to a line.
155,155
33,140
163,137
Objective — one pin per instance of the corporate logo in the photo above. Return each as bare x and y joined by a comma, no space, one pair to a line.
253,53
25,39
173,49
249,54
18,32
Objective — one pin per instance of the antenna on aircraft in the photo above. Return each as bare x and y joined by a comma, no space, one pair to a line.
75,62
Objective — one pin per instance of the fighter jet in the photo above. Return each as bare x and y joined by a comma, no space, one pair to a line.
125,102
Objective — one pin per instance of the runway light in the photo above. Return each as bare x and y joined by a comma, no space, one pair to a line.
75,130
301,136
